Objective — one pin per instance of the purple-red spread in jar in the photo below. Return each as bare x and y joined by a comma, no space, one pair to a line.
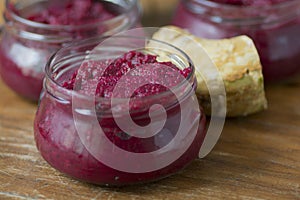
61,141
274,26
76,12
34,31
107,80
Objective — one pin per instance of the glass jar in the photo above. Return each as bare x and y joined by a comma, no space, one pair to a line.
26,45
66,121
275,30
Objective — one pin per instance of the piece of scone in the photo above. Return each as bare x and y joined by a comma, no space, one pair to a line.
238,63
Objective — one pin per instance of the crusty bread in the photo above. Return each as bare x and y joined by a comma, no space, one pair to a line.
238,63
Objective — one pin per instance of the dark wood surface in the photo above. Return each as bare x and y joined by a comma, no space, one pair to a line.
257,157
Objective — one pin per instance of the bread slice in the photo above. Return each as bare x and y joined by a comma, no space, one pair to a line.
238,63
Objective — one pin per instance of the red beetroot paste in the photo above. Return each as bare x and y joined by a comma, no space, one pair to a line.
107,80
57,138
76,12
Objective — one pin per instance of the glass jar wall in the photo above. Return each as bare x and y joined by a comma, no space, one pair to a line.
66,130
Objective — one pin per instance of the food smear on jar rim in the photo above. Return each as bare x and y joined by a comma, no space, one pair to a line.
132,66
250,2
76,12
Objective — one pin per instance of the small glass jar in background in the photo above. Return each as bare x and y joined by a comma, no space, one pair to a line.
274,28
26,45
67,142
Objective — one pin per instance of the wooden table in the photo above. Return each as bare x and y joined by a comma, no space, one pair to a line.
257,157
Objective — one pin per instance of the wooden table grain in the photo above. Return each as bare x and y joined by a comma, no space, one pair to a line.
257,157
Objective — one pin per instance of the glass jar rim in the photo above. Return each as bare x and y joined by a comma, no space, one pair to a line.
67,94
39,25
287,10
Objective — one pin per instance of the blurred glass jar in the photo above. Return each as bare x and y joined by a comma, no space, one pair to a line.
26,45
275,29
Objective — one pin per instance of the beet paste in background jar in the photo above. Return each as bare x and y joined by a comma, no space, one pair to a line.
274,25
78,101
35,29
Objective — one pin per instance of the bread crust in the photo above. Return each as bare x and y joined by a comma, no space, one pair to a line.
238,63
